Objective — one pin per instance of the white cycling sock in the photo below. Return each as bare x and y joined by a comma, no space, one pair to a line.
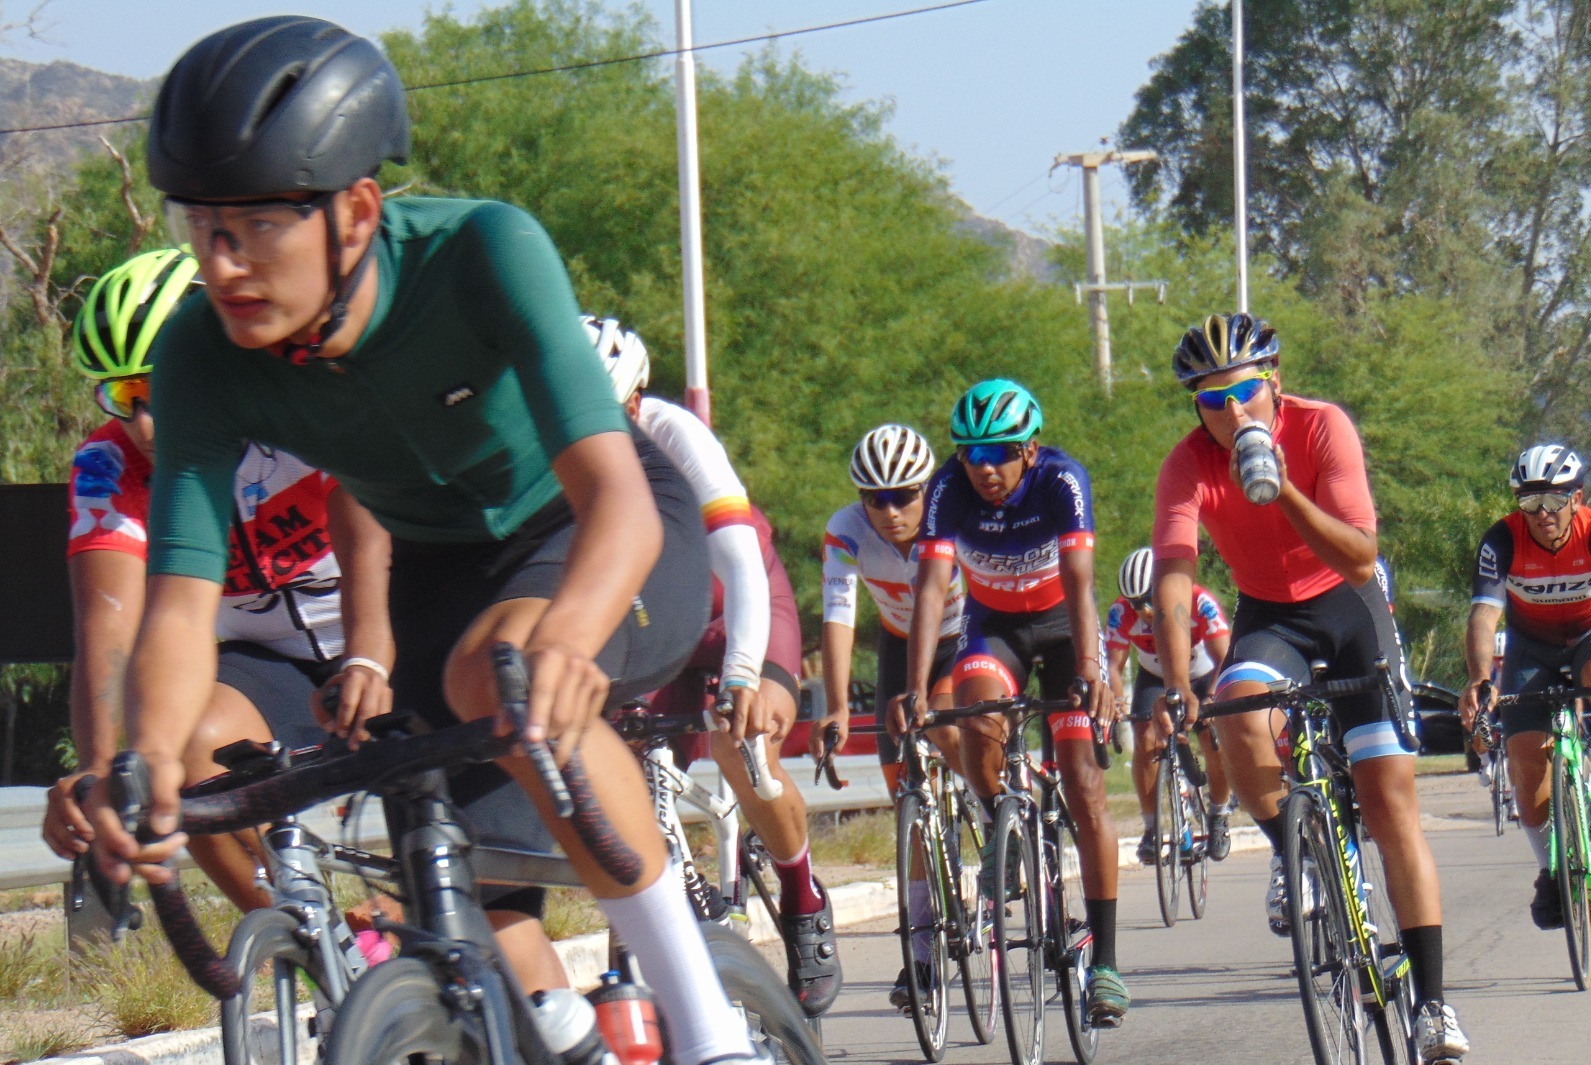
1149,822
917,910
661,931
1540,839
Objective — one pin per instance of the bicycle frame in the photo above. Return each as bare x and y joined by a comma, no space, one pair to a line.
1568,744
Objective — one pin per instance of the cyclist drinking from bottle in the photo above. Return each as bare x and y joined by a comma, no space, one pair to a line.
428,353
873,541
1129,626
1018,518
1304,565
1534,568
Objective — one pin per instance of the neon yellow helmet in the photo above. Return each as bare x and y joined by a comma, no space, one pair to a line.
125,309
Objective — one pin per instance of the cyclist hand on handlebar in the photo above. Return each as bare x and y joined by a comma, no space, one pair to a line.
1478,696
567,692
1160,732
66,827
840,722
907,711
120,855
743,714
355,695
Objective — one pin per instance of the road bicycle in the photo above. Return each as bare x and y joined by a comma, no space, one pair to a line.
1355,983
1570,817
1041,928
938,837
450,996
1182,829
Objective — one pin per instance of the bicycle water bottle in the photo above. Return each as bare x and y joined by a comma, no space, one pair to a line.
627,1016
1256,464
1359,884
568,1025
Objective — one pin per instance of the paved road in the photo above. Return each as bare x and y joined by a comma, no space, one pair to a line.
1220,989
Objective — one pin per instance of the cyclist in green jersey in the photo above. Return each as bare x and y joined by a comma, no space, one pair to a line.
429,354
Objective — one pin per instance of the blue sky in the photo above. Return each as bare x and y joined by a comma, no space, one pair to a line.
993,90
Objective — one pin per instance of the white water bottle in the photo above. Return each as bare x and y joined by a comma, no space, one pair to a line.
1256,464
568,1024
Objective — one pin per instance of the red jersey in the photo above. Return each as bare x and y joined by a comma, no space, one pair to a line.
1545,595
1269,560
1125,627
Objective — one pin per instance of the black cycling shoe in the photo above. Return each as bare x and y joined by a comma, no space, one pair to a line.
1220,836
900,996
812,957
1546,909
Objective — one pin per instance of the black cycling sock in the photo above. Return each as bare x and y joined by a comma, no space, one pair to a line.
1272,827
1423,947
1101,915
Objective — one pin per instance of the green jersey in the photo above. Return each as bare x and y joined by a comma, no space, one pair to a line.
472,374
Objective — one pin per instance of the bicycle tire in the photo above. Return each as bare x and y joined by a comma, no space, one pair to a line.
395,1014
1197,863
973,948
264,938
915,855
773,1017
1569,838
1019,930
1075,942
1168,839
1501,800
1322,935
1394,1022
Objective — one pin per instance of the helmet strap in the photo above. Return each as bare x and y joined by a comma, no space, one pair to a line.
343,290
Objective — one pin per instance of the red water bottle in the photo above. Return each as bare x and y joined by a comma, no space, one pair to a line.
627,1016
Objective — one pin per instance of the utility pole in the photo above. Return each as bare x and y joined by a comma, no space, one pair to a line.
1094,233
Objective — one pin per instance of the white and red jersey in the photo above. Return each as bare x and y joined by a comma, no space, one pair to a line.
854,551
1126,627
282,582
1545,595
741,594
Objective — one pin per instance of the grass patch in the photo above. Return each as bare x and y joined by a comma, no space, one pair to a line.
20,900
572,912
30,967
43,1039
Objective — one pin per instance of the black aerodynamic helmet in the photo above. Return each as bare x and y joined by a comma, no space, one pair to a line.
276,105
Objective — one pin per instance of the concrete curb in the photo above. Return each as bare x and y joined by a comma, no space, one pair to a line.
585,958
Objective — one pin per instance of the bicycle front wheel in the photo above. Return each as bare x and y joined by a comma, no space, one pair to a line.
1019,930
1501,799
972,947
924,951
774,1018
1569,845
1322,932
395,1015
1168,838
1197,861
273,968
1075,940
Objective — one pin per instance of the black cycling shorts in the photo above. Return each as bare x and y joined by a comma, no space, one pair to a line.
890,681
437,590
279,687
1346,627
1532,666
1146,688
1011,646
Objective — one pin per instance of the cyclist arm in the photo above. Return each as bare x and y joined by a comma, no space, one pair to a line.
1077,578
1480,637
929,588
618,539
1173,596
838,642
364,555
1116,674
107,600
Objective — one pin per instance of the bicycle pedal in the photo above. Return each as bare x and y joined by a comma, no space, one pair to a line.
1105,1021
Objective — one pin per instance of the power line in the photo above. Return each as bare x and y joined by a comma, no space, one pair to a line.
587,65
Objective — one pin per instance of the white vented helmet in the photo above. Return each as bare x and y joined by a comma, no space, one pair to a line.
1546,468
1135,572
892,456
622,353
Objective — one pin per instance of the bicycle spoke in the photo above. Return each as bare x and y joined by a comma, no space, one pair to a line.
1323,950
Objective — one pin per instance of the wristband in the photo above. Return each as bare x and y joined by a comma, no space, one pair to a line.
369,663
734,682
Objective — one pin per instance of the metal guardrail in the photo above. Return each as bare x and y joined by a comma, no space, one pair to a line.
26,862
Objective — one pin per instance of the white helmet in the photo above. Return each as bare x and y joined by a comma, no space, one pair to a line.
1546,468
1134,575
622,354
891,456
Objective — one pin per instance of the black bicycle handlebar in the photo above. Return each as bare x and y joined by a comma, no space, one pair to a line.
1547,697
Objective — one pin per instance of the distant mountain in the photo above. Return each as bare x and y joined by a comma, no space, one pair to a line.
1026,255
45,94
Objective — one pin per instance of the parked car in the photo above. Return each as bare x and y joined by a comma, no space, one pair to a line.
1436,713
812,706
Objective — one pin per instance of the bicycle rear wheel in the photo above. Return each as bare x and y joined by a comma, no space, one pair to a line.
1197,861
972,947
1019,930
1075,940
927,978
1393,1022
1569,845
1168,838
773,1017
273,968
396,1015
1322,933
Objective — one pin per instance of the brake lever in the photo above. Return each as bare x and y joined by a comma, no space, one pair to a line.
831,743
513,691
114,899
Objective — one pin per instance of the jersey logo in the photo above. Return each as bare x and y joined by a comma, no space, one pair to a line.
459,393
1487,564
